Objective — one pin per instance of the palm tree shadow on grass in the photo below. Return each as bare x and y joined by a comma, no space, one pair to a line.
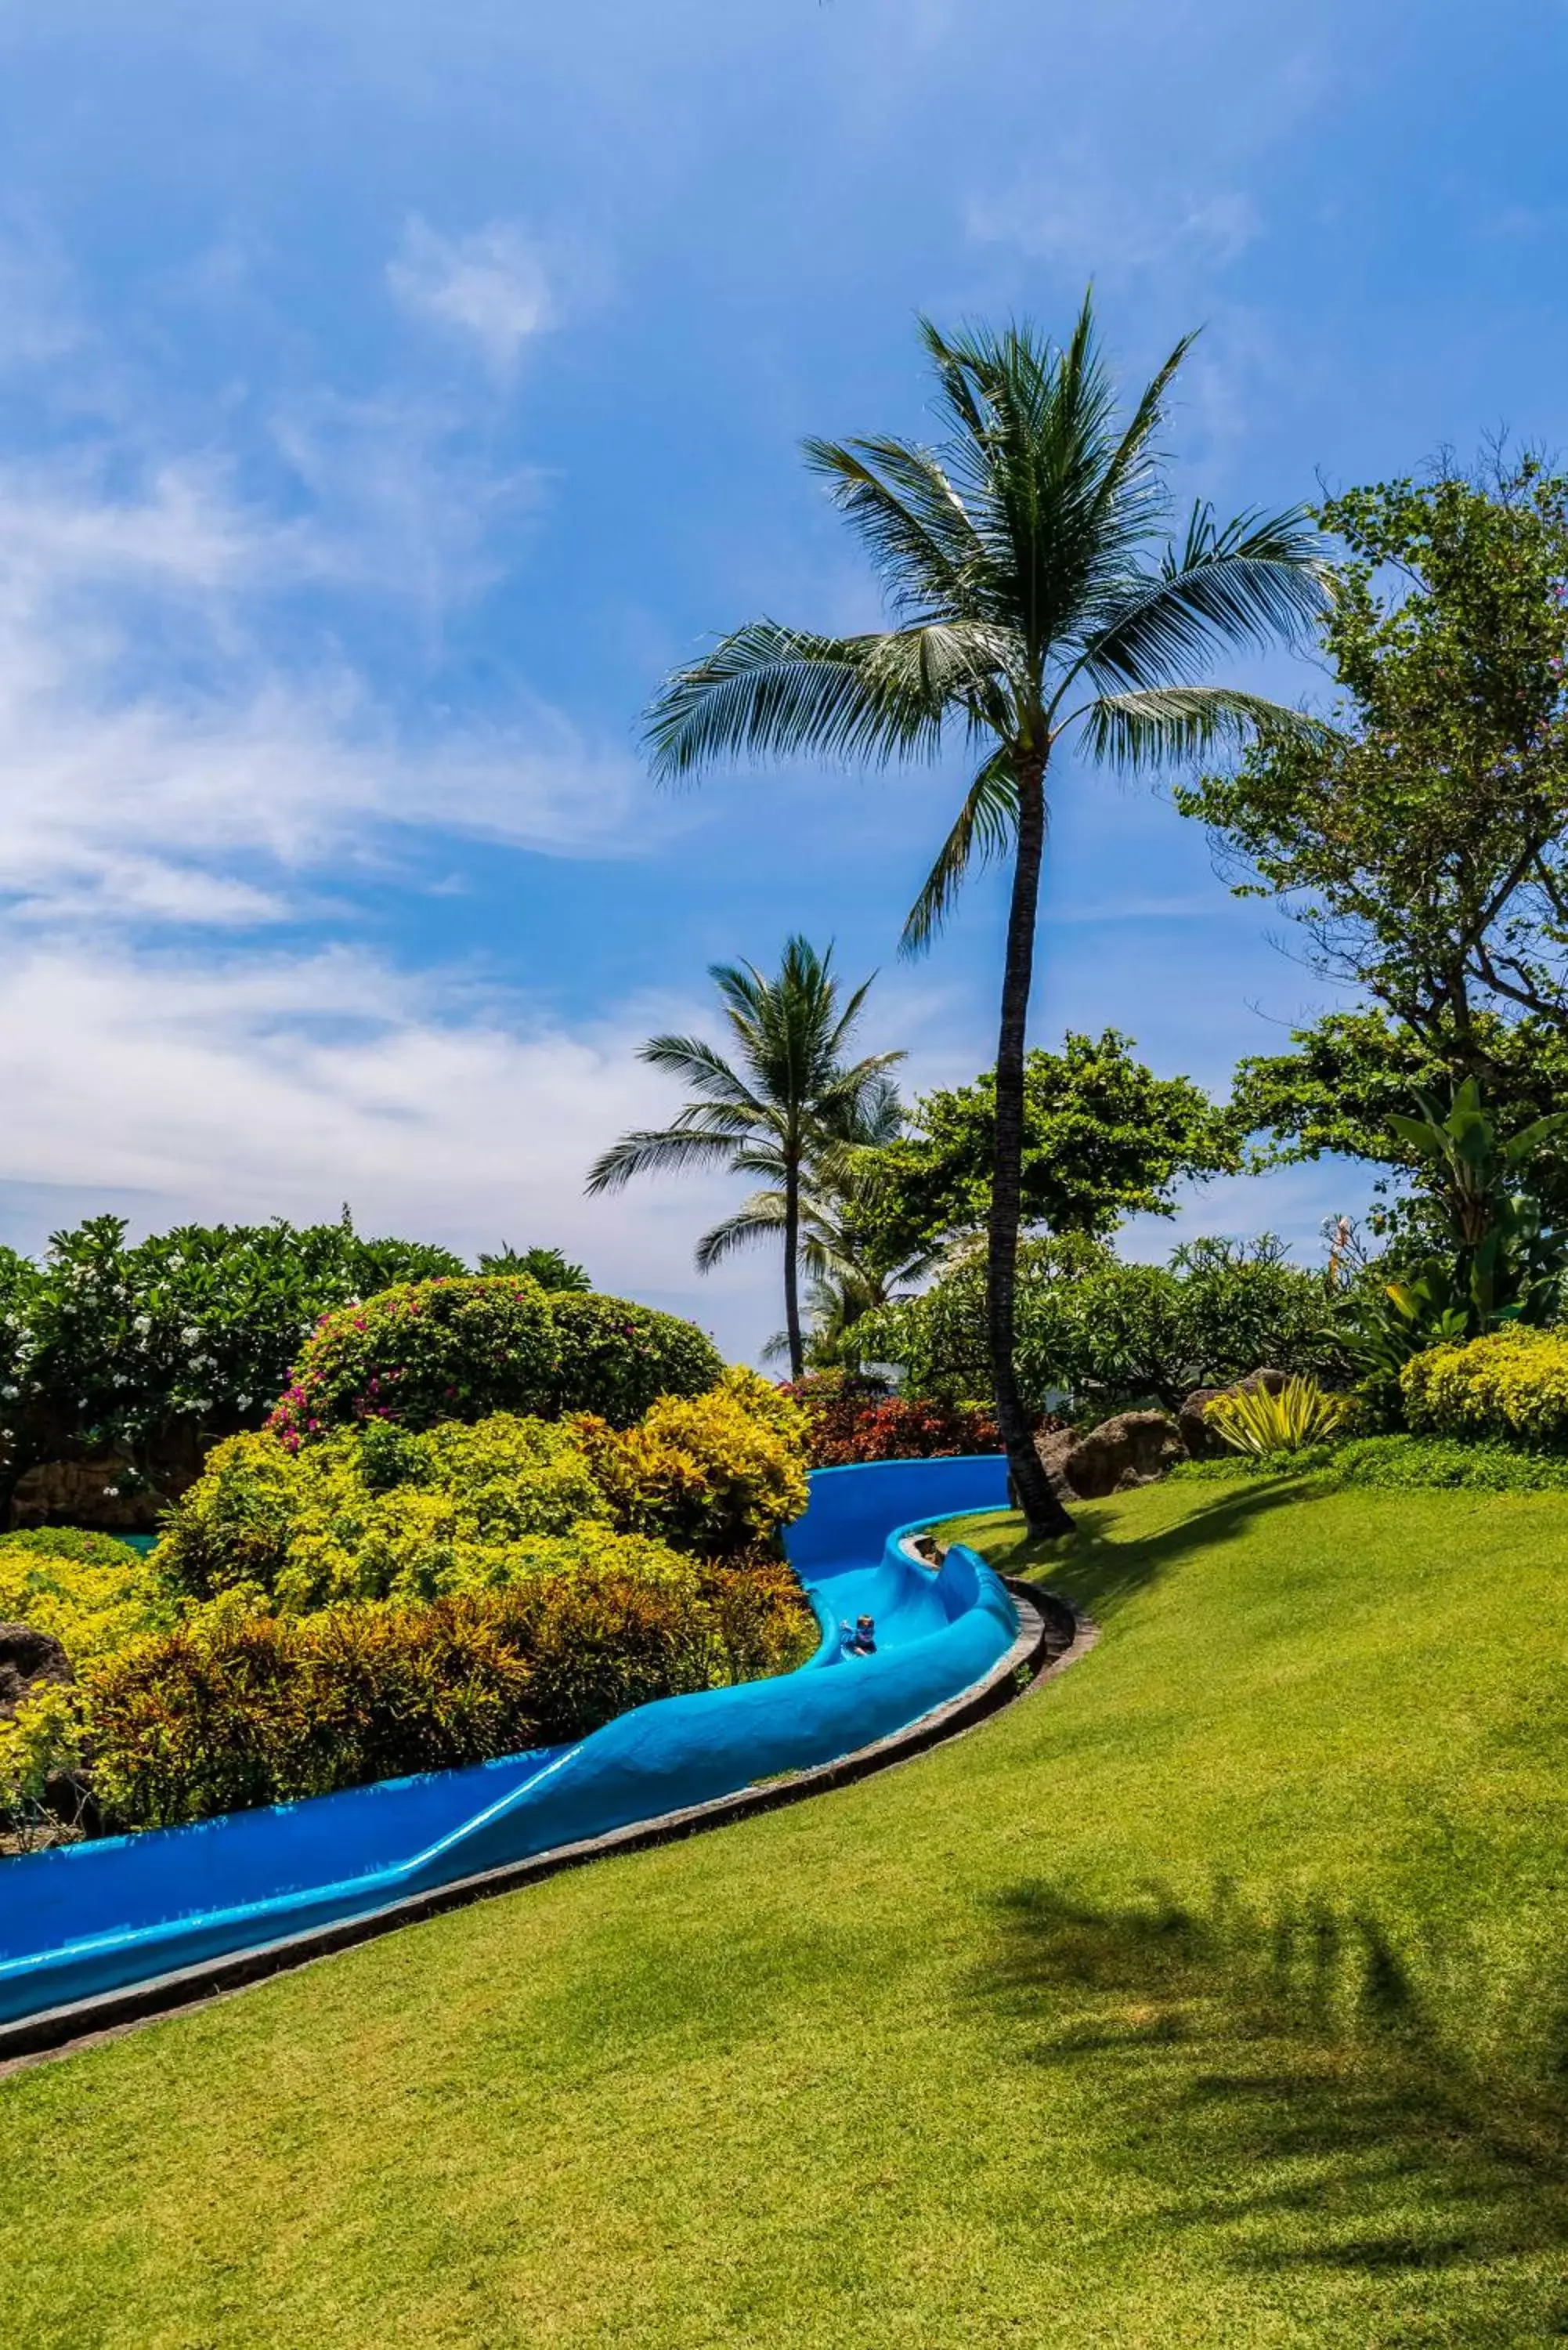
1296,2093
1100,1572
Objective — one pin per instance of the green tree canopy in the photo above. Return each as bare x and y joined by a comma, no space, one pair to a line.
1352,1073
1420,842
1104,1139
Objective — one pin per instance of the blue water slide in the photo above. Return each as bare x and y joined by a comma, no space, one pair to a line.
87,1919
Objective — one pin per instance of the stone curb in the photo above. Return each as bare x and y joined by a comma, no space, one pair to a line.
1051,1635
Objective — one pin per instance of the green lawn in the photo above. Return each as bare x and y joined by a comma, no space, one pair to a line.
1216,1993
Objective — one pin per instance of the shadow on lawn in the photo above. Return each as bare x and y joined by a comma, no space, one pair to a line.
1285,2077
1101,1569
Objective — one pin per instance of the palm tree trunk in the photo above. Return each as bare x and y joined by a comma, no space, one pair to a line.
791,1268
1044,1511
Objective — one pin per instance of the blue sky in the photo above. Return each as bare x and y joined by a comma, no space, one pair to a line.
389,396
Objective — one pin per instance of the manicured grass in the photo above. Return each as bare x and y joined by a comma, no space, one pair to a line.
1213,1994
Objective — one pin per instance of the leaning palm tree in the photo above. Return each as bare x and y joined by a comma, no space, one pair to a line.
792,1097
1035,600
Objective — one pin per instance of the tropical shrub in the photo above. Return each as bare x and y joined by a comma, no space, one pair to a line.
857,1419
149,1351
1398,1464
425,1351
1406,1462
442,1350
711,1473
614,1359
1289,1420
1108,1333
233,1709
1511,1385
43,1792
382,1512
92,1593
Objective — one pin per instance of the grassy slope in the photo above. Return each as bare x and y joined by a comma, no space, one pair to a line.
1212,1995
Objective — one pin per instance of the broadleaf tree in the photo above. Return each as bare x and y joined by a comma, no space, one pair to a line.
1038,601
1104,1139
1421,839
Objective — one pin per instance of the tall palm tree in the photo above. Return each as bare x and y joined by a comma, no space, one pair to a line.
1035,599
789,1097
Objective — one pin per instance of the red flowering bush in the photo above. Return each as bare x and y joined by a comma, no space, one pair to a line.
855,1419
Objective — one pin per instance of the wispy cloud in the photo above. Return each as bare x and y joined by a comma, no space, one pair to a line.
492,288
172,750
1092,221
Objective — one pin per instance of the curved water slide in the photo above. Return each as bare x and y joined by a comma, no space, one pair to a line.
83,1920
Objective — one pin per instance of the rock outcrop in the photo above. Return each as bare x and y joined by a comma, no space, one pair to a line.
105,1493
1133,1448
26,1657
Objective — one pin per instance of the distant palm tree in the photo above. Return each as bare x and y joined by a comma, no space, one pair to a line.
1035,599
848,1275
791,1100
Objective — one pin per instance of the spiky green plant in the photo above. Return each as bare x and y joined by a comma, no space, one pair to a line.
1301,1413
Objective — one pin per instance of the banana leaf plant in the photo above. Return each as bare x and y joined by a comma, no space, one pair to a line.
1506,1265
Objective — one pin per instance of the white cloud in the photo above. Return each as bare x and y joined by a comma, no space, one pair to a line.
493,286
288,1083
160,761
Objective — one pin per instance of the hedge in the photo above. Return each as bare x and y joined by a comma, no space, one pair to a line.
233,1708
1511,1385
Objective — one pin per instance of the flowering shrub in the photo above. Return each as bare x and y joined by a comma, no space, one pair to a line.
92,1593
711,1473
1511,1385
615,1359
439,1350
233,1709
422,1352
151,1352
851,1420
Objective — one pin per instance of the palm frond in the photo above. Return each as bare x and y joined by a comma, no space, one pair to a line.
1252,582
770,691
1137,731
695,1060
650,1151
983,828
907,513
758,1217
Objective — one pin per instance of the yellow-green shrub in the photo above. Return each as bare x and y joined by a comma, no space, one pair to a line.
711,1473
381,1512
233,1708
92,1593
42,1740
1512,1384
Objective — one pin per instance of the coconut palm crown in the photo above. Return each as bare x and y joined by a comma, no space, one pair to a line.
1036,595
787,1100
